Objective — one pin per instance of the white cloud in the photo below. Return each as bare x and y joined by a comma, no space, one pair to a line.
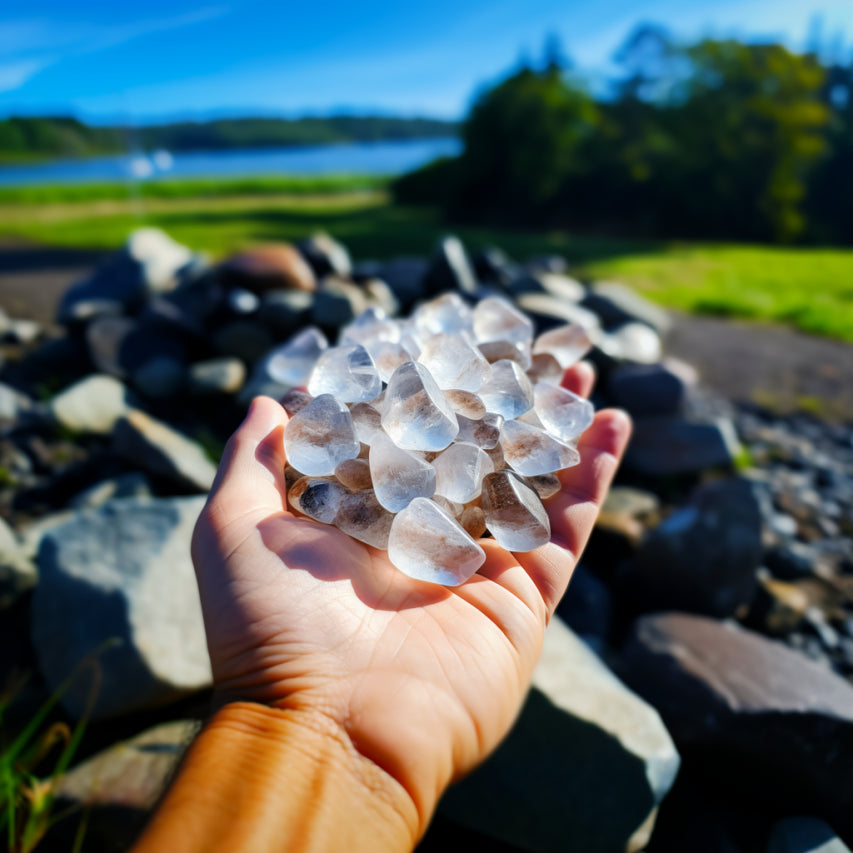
13,75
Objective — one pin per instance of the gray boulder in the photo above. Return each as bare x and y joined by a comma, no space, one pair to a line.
647,389
617,304
584,768
121,573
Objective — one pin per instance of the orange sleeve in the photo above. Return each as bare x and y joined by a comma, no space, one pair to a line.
262,779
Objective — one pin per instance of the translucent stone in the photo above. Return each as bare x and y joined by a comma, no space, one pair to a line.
497,319
295,401
466,403
562,413
316,497
388,356
514,513
545,368
347,372
417,415
320,436
508,392
568,344
291,475
485,432
503,350
293,361
460,470
454,363
428,544
530,451
362,516
398,477
545,485
446,313
473,520
367,324
354,474
496,454
366,421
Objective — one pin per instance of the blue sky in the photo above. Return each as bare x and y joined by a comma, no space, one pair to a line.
106,61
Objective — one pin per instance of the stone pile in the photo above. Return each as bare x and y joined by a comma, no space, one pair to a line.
718,583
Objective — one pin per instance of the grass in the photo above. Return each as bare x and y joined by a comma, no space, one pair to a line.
811,289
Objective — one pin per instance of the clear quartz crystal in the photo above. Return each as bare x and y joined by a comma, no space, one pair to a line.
317,497
568,344
320,436
398,476
497,319
485,432
445,313
366,421
460,470
514,513
503,350
545,485
347,372
354,474
362,516
545,368
417,415
454,363
295,401
293,361
508,392
563,413
466,403
388,356
530,451
428,544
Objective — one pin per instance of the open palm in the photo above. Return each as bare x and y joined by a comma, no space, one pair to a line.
424,680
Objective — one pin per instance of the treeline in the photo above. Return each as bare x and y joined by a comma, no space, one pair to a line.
68,137
716,139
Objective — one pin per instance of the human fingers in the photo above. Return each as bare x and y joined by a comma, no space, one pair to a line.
579,378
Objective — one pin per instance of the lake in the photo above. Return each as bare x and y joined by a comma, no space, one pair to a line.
369,158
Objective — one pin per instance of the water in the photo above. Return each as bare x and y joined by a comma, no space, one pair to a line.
369,158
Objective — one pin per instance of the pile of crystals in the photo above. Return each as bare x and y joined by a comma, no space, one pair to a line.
417,436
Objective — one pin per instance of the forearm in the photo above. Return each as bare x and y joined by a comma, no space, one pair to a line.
261,779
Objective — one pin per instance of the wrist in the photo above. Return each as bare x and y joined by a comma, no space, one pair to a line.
266,778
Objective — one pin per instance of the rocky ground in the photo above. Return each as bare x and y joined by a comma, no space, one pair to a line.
697,691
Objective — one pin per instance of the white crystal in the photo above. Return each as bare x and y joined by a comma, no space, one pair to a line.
496,319
508,392
428,544
561,412
514,513
347,372
317,497
568,344
485,432
417,415
460,470
398,476
293,361
530,451
320,436
446,313
454,363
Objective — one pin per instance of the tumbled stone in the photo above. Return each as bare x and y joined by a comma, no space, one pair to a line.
508,392
320,436
466,403
366,420
514,513
473,519
485,432
496,319
426,543
388,356
316,497
417,415
563,413
364,518
398,476
454,363
460,470
530,451
295,401
347,372
292,362
544,368
268,267
545,485
216,376
503,350
568,344
354,474
444,314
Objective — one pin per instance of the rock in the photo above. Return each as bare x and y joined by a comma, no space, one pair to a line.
21,331
632,342
336,303
93,404
561,287
216,376
450,269
617,304
586,607
126,568
493,266
589,765
406,277
626,513
548,311
647,389
132,485
791,560
120,346
268,267
381,295
284,312
326,255
158,448
778,607
244,339
804,835
17,572
13,404
666,446
159,377
760,719
121,785
702,558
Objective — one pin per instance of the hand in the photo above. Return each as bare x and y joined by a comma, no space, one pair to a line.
423,680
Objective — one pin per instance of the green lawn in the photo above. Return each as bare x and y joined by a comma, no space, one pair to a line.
808,288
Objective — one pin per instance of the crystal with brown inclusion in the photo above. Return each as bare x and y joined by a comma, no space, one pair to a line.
346,371
398,476
485,432
508,392
454,363
545,485
563,413
568,344
504,350
320,436
460,470
530,451
295,401
366,421
514,513
354,474
496,319
545,368
317,497
362,516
